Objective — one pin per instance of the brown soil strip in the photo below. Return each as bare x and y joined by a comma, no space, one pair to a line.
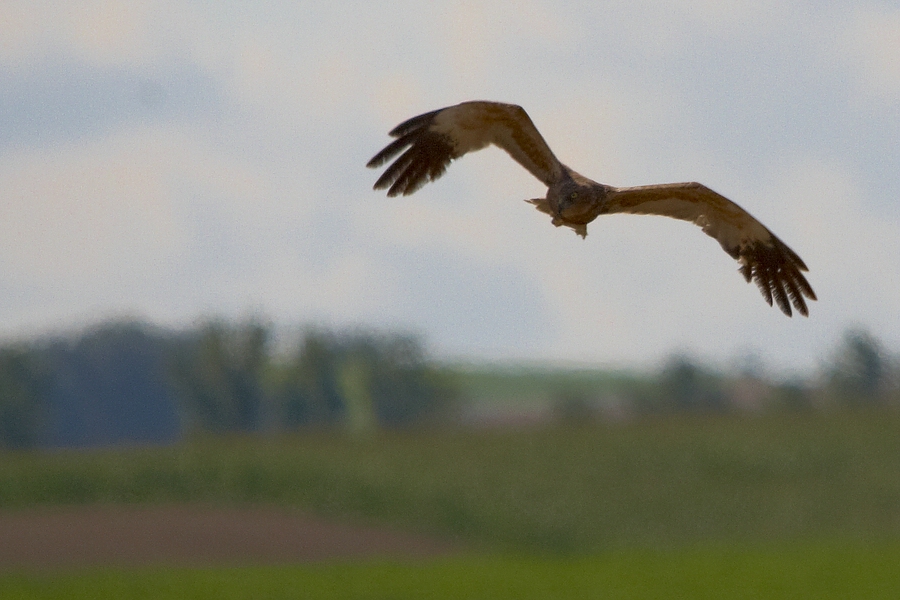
193,536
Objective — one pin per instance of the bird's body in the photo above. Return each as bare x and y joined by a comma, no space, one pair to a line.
426,145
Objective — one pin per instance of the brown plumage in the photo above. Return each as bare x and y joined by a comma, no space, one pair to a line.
428,143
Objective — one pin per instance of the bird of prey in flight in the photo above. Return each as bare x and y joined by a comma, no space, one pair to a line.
426,145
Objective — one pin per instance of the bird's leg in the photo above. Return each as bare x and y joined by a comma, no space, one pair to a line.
580,229
542,205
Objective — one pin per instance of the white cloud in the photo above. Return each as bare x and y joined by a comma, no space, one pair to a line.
873,42
472,30
853,249
126,220
102,32
258,200
68,215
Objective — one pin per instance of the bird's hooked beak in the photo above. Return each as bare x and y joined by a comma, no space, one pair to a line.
562,203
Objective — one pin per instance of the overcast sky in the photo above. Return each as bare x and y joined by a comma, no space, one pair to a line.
175,160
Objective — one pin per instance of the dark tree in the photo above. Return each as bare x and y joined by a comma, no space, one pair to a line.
386,377
219,371
22,398
860,369
309,388
110,385
685,386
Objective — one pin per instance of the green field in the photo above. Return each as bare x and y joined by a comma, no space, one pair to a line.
775,506
801,571
663,483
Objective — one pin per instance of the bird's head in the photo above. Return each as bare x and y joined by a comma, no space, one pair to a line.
576,199
568,195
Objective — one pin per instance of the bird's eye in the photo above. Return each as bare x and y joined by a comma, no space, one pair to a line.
574,196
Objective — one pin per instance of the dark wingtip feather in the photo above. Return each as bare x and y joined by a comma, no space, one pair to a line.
805,288
388,152
795,295
777,271
781,298
764,285
418,122
425,156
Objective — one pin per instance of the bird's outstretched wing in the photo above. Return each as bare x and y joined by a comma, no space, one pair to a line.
764,258
430,141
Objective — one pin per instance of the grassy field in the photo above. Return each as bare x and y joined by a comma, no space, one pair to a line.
820,571
662,484
514,387
789,506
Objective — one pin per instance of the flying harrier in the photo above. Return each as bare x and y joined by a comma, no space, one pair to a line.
431,141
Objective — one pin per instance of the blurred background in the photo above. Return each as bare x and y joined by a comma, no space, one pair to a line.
127,382
176,161
184,179
191,253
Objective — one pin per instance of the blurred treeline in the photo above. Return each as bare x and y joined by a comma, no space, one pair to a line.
128,382
858,372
